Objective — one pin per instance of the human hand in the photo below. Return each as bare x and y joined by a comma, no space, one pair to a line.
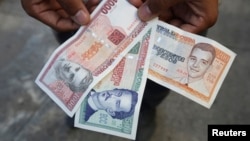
190,15
61,15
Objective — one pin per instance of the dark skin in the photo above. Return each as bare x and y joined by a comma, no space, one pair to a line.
61,15
190,15
66,15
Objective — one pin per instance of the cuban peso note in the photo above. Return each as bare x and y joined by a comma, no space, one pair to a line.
81,62
113,105
191,65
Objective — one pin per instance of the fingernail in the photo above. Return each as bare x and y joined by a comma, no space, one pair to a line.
80,18
145,13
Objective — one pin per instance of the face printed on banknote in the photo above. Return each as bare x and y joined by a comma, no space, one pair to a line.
199,61
118,103
75,76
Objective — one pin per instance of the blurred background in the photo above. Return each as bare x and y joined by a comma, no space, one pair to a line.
26,113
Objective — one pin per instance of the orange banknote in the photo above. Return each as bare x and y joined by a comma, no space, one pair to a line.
191,65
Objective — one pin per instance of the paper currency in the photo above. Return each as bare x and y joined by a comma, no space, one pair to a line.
82,61
191,65
113,105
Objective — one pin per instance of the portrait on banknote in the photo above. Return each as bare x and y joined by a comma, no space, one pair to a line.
117,103
68,79
199,62
75,76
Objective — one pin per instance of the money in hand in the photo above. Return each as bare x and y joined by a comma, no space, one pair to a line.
100,72
83,60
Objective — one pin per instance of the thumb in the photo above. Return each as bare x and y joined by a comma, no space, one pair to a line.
152,8
147,11
77,10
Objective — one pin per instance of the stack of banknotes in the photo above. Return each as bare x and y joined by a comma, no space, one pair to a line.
99,74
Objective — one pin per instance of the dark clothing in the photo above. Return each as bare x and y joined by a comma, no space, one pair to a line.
89,112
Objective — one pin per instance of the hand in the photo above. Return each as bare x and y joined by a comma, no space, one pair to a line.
61,15
190,15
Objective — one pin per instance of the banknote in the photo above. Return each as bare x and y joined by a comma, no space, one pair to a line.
191,65
113,105
81,62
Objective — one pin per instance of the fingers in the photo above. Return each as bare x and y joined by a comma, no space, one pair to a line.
77,10
92,4
61,15
201,16
136,3
50,13
58,23
28,7
152,8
